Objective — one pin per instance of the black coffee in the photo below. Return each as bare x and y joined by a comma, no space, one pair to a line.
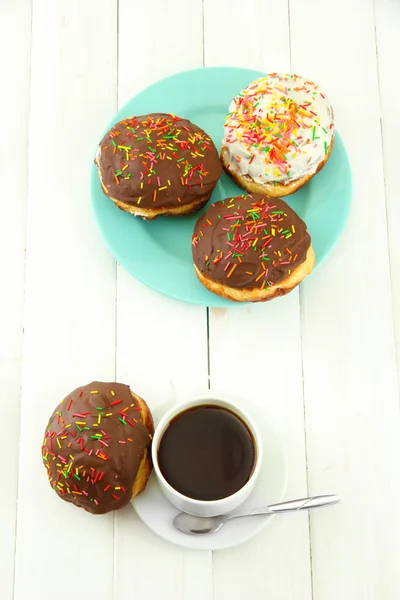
207,453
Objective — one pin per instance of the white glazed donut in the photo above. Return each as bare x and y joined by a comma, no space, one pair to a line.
278,134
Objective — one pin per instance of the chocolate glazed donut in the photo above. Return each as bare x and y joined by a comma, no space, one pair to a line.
158,164
251,248
96,447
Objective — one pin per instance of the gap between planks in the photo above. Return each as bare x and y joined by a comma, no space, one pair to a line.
28,120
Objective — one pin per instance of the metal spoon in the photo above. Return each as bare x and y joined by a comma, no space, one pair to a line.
202,525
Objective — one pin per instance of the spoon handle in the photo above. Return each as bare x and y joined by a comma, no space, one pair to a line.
301,504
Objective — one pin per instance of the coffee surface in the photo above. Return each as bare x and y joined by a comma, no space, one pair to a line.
207,453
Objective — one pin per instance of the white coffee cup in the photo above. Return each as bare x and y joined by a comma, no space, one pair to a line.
208,508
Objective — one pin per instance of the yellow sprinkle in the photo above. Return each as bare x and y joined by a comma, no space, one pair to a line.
140,199
109,415
94,392
272,231
141,187
95,424
71,457
69,425
169,183
58,442
125,167
162,188
80,422
293,229
112,393
169,157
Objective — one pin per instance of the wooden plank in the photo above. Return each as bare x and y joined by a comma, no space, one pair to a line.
14,106
388,46
70,288
351,394
256,351
229,42
159,341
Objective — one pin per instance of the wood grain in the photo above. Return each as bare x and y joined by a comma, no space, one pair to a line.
256,351
70,289
161,343
387,13
351,394
14,168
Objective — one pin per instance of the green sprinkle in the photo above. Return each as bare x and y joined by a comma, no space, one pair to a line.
99,408
86,428
122,421
181,159
326,147
80,428
77,476
113,143
313,133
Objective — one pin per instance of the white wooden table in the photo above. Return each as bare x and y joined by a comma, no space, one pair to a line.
69,314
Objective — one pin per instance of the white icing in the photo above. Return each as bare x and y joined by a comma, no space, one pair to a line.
272,133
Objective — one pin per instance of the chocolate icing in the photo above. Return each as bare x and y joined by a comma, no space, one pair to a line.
93,446
158,161
249,241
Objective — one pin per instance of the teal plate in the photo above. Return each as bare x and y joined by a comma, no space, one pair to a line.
158,253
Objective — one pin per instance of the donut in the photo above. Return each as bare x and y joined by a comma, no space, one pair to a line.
96,447
158,164
251,248
278,134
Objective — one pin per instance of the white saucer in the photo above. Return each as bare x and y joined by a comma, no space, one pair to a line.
157,513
